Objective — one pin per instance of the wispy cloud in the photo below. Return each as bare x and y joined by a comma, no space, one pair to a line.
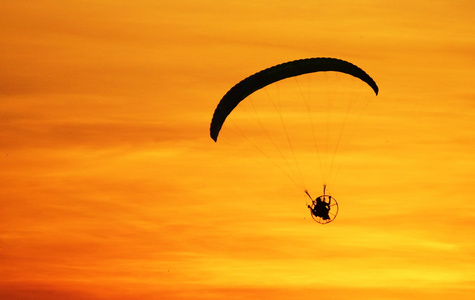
112,189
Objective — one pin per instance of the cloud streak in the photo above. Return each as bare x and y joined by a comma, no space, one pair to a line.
112,189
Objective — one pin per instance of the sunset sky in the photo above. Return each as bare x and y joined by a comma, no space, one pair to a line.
111,188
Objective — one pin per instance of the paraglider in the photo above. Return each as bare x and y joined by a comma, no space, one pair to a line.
324,208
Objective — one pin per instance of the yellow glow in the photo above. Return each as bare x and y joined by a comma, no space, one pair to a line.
112,189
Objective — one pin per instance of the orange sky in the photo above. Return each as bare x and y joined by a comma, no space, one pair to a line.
112,189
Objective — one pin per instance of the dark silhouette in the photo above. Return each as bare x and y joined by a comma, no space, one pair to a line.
321,208
273,74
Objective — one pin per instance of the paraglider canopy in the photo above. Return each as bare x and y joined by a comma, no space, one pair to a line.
273,74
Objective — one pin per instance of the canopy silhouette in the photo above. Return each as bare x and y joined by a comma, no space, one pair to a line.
273,74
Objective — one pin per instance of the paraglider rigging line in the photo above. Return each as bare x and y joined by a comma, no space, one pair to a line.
289,142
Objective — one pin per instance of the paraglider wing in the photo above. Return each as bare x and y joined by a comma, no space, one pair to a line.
273,74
